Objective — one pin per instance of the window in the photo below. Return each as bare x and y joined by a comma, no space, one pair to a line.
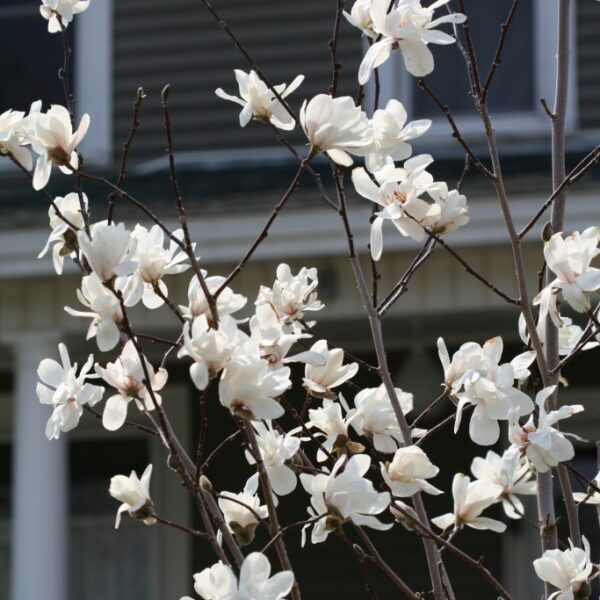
525,76
30,57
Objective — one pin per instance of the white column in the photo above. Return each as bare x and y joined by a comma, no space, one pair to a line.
39,487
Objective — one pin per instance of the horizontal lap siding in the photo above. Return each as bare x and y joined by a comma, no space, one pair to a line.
588,52
178,42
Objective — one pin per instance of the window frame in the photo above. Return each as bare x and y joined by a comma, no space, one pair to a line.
396,82
93,68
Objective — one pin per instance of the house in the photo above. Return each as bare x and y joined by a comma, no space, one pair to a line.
56,518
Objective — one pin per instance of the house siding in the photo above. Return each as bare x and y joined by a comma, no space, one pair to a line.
284,38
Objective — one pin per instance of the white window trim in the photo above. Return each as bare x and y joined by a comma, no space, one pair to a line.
94,79
396,82
93,59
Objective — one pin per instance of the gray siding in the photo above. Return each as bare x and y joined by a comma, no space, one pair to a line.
588,27
178,42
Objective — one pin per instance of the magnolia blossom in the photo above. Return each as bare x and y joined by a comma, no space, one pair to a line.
105,311
258,100
228,301
248,387
66,391
408,27
276,450
11,140
569,259
454,212
134,493
108,250
330,421
344,496
210,348
320,379
543,444
490,389
241,521
337,127
391,135
398,191
467,359
569,334
360,16
567,570
511,473
60,12
470,500
291,295
592,496
153,262
375,417
269,333
63,239
407,472
127,376
55,141
220,583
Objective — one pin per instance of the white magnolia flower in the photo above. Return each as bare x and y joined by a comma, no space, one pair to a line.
391,135
465,361
66,391
153,262
274,341
276,450
569,334
407,472
408,27
105,311
210,348
492,393
61,11
566,570
291,295
470,500
54,140
345,496
11,141
543,444
592,496
259,101
134,493
109,250
374,417
220,583
337,127
241,521
569,259
511,473
63,239
319,380
398,191
127,376
228,301
360,16
454,212
330,421
248,387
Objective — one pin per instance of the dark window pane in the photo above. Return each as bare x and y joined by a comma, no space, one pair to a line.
29,62
93,463
513,83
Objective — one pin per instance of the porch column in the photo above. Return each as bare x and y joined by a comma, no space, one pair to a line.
39,483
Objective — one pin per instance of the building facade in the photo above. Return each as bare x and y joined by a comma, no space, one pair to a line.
56,519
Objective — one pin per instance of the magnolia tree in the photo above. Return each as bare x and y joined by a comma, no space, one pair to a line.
357,463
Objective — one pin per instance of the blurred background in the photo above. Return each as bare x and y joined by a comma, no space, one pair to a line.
56,517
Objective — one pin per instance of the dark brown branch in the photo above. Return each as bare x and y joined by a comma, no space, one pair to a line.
112,198
189,246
